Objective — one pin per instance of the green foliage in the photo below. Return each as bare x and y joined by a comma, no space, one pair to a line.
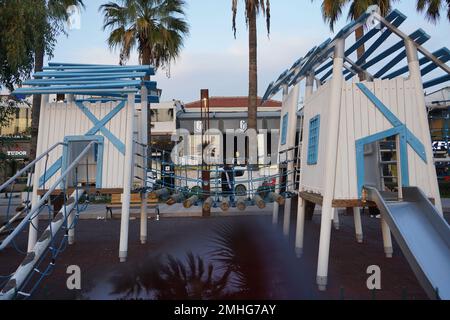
433,8
156,28
332,9
7,112
251,6
28,27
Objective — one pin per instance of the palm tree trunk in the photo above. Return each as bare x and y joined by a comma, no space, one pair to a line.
359,33
253,71
146,60
35,112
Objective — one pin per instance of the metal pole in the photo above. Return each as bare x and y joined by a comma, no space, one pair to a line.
292,99
204,96
416,76
41,202
330,165
29,166
299,235
276,205
127,177
144,141
358,224
22,272
33,232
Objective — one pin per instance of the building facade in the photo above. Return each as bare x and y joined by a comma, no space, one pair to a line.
15,137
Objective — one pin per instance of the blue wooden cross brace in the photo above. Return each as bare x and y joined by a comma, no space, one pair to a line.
412,140
99,125
399,128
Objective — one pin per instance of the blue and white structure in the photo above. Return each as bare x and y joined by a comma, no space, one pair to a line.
103,103
345,118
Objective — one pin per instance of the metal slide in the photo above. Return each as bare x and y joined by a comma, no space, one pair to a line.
422,234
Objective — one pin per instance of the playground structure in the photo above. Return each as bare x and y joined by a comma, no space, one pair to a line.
95,141
345,125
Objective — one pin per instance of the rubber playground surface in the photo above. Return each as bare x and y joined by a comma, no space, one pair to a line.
262,262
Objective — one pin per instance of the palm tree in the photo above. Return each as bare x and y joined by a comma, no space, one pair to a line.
433,8
252,9
332,11
50,15
156,28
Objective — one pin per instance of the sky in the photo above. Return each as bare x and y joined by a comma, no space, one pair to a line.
212,58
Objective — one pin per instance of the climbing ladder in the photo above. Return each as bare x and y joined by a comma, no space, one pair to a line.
387,160
48,242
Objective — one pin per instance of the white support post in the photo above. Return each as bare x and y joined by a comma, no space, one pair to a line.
71,229
336,218
276,206
144,141
127,179
358,224
292,100
287,215
299,235
387,240
309,86
416,76
276,209
332,141
33,228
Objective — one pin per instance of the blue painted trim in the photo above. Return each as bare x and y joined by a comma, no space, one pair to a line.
77,82
395,17
95,86
415,36
443,52
99,154
30,91
380,106
360,167
318,55
313,140
436,81
99,124
50,172
432,65
404,157
87,74
384,36
417,146
284,128
396,60
148,70
412,140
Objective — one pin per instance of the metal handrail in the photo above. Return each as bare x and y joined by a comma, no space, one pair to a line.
28,166
36,208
